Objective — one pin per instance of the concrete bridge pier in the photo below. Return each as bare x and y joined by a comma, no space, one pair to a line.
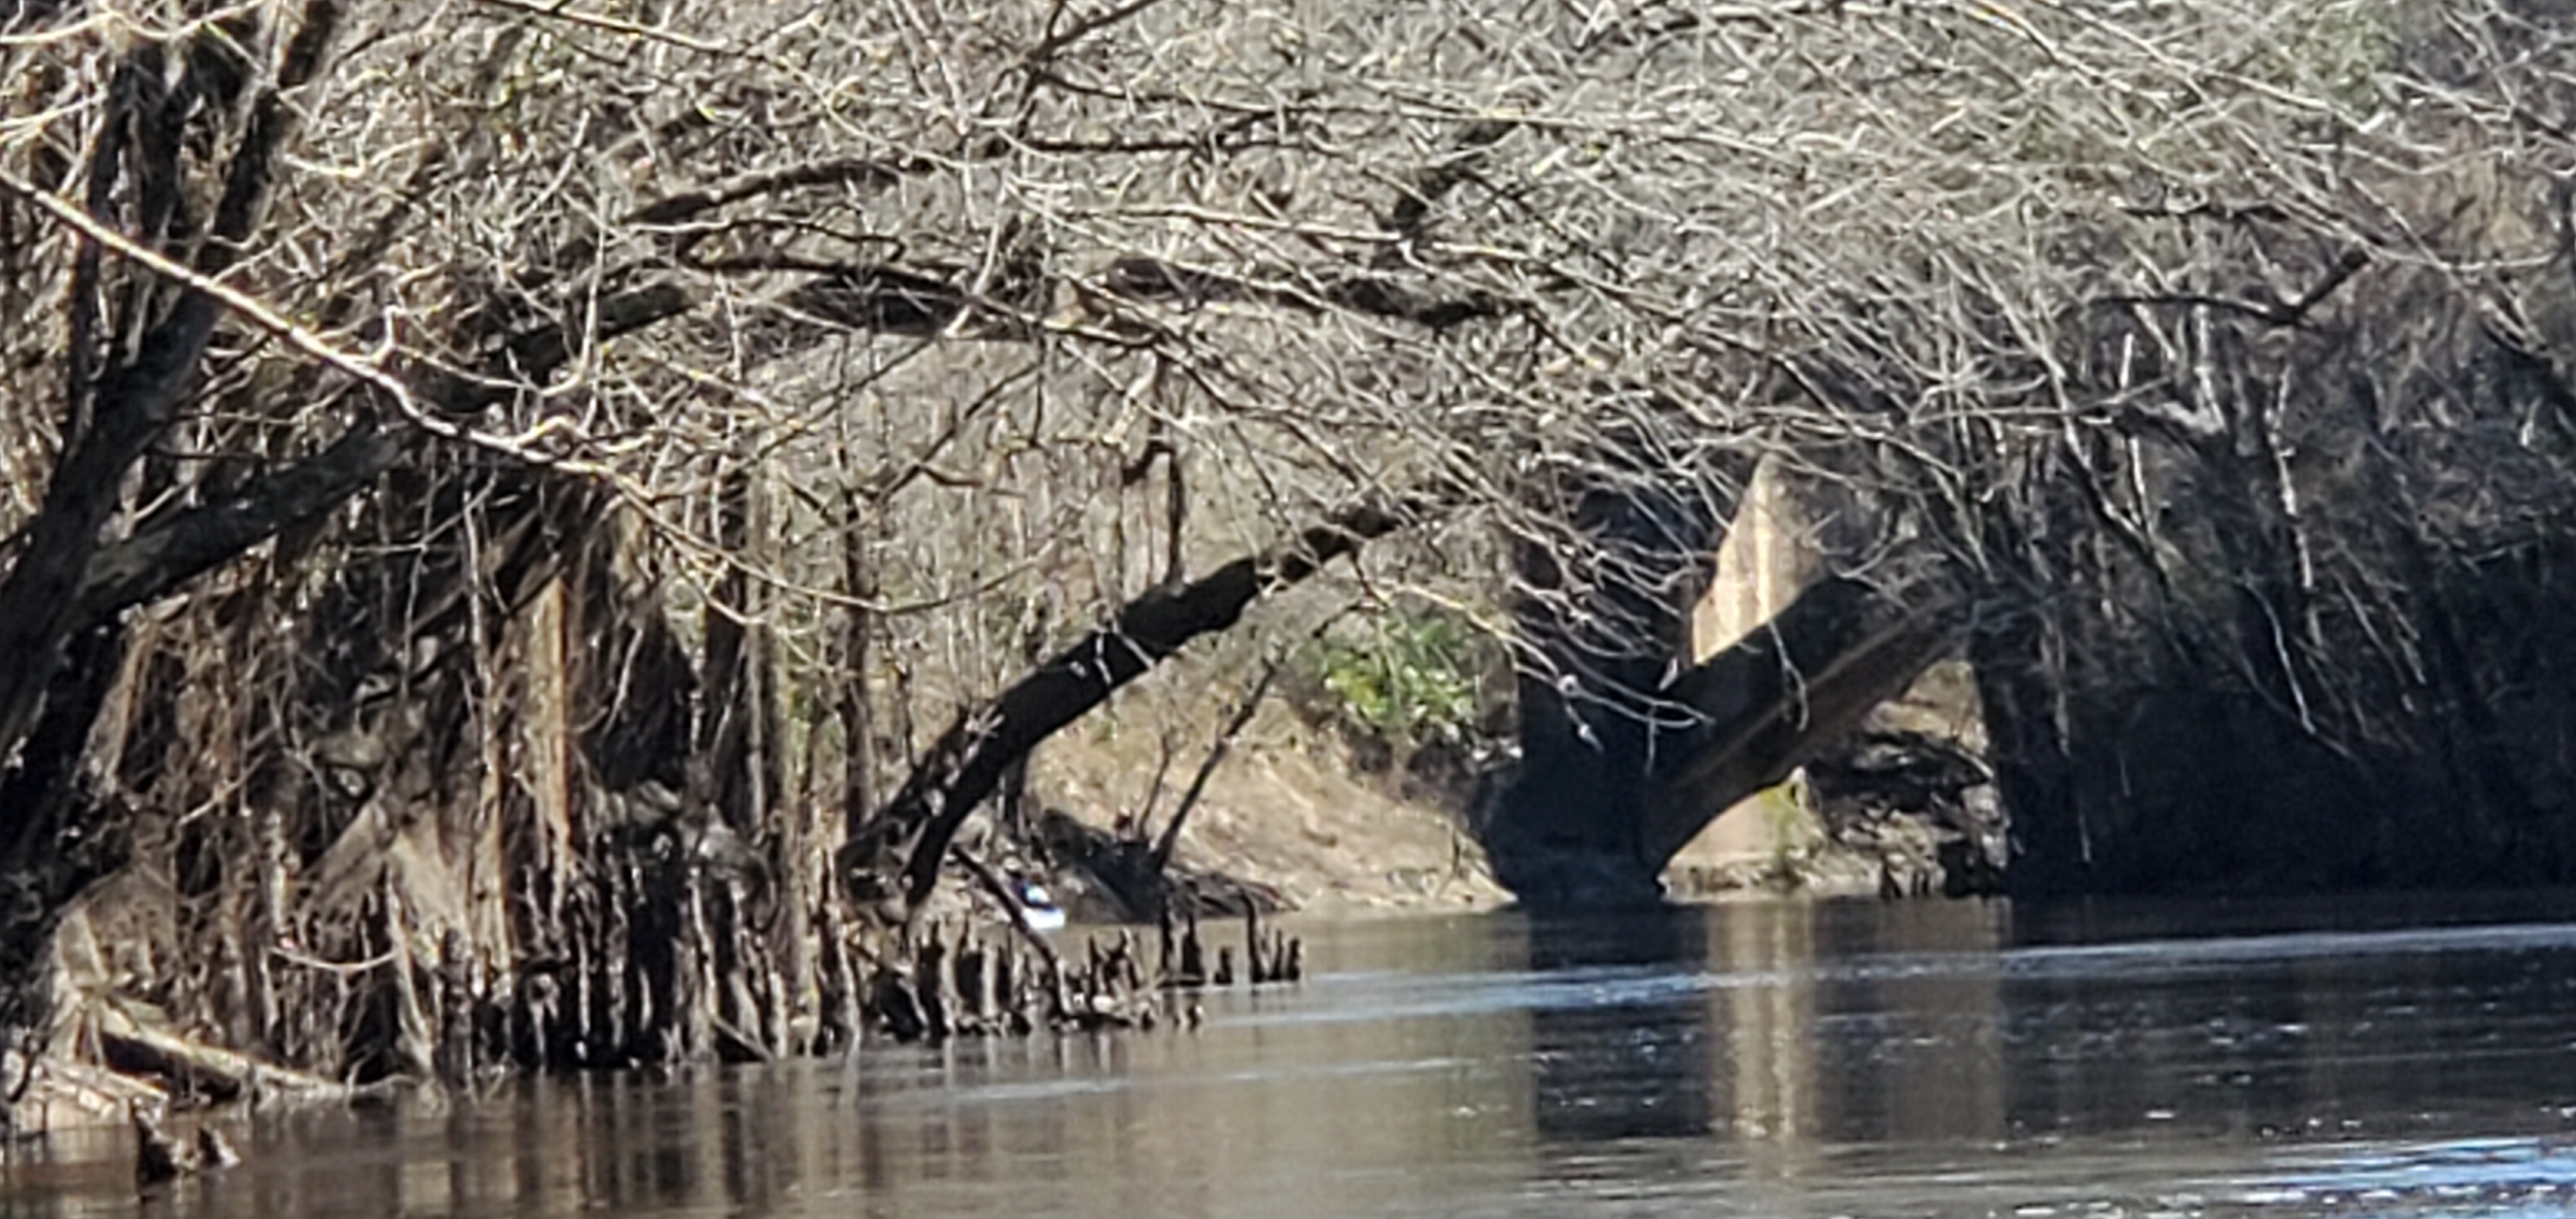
1633,740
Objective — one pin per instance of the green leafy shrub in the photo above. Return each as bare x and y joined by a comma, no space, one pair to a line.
1409,679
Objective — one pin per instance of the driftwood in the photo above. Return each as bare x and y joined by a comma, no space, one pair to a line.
145,1047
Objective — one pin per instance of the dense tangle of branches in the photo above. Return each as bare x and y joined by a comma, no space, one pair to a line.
487,485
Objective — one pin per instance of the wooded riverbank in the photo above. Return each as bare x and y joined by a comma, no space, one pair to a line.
539,538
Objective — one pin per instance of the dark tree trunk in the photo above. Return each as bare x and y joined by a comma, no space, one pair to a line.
118,415
972,757
54,845
1605,632
2018,688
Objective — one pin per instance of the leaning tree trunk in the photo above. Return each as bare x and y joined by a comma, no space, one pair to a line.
971,758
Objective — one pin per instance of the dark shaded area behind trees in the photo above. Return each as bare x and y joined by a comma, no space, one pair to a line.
2335,656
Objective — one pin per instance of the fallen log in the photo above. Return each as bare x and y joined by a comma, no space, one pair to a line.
142,1046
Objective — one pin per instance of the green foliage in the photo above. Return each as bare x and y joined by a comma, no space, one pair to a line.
1787,818
1412,678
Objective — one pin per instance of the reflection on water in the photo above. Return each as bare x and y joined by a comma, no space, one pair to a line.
1788,1058
1636,1063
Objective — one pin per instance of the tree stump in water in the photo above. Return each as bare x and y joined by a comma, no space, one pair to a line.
161,1157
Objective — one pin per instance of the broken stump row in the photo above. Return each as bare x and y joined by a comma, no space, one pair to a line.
971,980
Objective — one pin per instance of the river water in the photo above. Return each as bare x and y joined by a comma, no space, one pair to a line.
2374,1058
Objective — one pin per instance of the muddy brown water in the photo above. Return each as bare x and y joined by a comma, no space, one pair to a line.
2374,1058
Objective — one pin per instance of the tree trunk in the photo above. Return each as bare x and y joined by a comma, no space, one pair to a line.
1604,639
979,748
